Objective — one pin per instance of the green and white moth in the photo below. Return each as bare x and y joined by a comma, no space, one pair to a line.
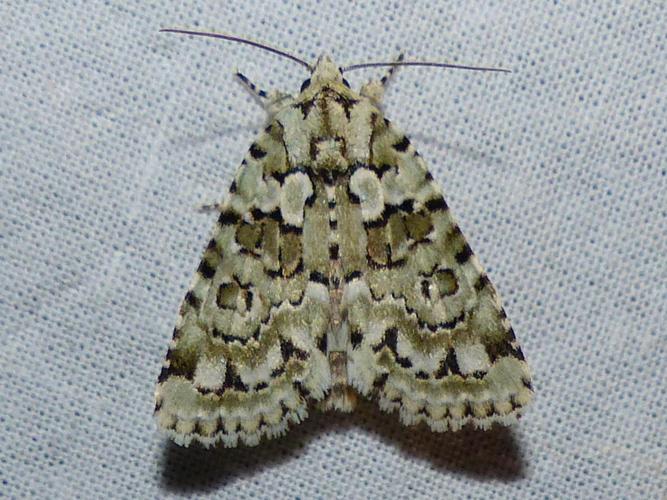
336,269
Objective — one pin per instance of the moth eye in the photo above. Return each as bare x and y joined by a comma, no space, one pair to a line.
345,82
305,84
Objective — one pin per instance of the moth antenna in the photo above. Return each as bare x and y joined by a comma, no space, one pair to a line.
233,38
422,63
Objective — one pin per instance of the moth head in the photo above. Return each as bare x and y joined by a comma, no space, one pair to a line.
324,73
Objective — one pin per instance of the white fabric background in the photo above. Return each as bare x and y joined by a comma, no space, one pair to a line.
111,134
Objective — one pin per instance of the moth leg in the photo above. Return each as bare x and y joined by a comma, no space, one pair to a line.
270,101
390,72
254,89
374,89
207,208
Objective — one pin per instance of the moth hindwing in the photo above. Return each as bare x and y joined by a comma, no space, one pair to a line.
336,269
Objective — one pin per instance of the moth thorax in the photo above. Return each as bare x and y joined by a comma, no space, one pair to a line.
328,153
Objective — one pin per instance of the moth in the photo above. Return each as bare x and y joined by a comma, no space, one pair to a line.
336,270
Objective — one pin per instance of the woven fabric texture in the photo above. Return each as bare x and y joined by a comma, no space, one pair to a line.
111,135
